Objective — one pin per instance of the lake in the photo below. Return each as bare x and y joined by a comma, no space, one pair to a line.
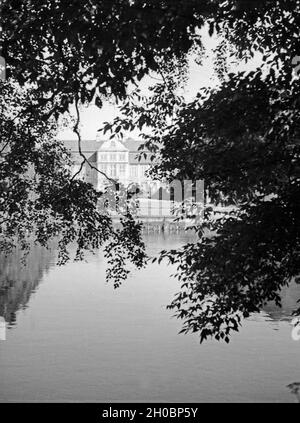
72,337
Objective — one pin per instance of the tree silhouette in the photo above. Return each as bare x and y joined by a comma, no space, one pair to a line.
242,138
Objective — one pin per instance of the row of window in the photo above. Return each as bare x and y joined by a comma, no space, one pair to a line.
135,170
138,169
113,157
115,170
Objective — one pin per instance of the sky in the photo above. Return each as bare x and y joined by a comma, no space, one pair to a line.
92,118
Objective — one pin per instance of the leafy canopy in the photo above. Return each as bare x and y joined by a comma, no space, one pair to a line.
242,138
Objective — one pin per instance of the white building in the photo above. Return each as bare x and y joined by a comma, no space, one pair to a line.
119,161
123,162
113,161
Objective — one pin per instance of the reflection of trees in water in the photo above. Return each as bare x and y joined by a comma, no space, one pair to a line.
289,297
18,281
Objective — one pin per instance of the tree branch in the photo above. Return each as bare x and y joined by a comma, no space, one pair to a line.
85,160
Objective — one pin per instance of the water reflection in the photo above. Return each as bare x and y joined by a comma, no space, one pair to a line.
80,340
271,312
289,297
18,280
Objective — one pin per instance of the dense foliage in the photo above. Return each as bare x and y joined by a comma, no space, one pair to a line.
242,138
40,198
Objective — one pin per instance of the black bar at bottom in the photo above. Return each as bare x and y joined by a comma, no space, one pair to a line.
126,412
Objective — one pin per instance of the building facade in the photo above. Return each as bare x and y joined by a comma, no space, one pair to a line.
119,161
124,163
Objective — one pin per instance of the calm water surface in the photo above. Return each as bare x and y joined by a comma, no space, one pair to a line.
71,337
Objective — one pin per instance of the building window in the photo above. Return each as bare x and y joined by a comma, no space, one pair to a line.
122,168
113,170
134,171
112,157
103,168
143,170
103,157
122,157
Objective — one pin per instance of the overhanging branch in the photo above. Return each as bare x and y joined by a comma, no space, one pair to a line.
85,160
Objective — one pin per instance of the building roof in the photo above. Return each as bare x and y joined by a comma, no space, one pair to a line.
112,145
132,145
87,146
90,148
135,156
